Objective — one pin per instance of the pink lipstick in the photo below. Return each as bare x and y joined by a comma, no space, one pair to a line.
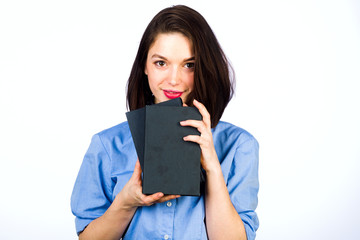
171,94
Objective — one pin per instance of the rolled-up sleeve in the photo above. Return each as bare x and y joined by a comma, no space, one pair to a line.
243,182
92,193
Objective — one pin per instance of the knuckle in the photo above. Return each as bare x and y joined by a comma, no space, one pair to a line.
143,201
147,203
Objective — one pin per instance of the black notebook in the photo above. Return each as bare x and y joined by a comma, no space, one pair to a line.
136,120
170,165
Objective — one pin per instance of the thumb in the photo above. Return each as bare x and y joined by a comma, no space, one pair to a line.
137,171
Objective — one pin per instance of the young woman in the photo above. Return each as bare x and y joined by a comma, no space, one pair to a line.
178,56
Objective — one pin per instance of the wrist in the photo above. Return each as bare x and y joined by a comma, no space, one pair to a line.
120,203
213,169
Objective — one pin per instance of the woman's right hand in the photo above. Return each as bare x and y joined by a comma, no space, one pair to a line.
131,195
113,223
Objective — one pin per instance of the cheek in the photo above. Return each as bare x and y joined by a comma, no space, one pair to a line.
190,81
154,76
152,82
150,74
155,79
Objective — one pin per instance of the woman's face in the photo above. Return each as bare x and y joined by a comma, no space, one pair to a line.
170,67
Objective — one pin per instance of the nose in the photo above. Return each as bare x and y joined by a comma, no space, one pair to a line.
174,76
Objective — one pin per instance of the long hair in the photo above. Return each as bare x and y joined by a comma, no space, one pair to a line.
213,83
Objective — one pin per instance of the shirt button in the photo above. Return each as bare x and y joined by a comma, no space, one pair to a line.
166,236
169,205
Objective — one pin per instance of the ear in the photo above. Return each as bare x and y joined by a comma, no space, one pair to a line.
145,70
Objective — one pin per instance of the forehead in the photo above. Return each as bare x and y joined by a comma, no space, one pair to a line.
171,45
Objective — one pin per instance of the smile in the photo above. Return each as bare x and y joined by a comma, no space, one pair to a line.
171,94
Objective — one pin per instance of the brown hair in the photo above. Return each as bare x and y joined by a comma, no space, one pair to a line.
213,85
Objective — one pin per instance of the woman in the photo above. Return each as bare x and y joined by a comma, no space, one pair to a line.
178,56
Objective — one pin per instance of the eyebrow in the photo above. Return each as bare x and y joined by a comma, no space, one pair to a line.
162,57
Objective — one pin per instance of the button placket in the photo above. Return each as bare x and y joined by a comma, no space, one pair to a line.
169,213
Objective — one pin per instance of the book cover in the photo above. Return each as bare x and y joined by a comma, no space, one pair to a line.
136,120
171,165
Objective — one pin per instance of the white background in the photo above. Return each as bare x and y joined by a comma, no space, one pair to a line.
63,72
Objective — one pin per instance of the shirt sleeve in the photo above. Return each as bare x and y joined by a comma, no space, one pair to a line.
92,193
243,183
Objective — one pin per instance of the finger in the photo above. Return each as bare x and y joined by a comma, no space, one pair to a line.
199,125
193,138
185,105
151,199
203,111
168,198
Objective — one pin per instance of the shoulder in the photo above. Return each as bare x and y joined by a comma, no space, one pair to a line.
232,134
115,138
119,147
120,132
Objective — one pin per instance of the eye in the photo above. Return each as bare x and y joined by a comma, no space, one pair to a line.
189,65
160,63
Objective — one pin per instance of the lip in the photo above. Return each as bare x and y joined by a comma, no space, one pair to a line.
171,94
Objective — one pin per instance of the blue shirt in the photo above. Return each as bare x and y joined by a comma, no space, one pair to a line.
109,163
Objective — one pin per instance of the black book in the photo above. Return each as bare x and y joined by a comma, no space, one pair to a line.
136,120
171,165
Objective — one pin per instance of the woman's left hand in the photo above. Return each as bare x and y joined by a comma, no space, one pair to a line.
209,159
